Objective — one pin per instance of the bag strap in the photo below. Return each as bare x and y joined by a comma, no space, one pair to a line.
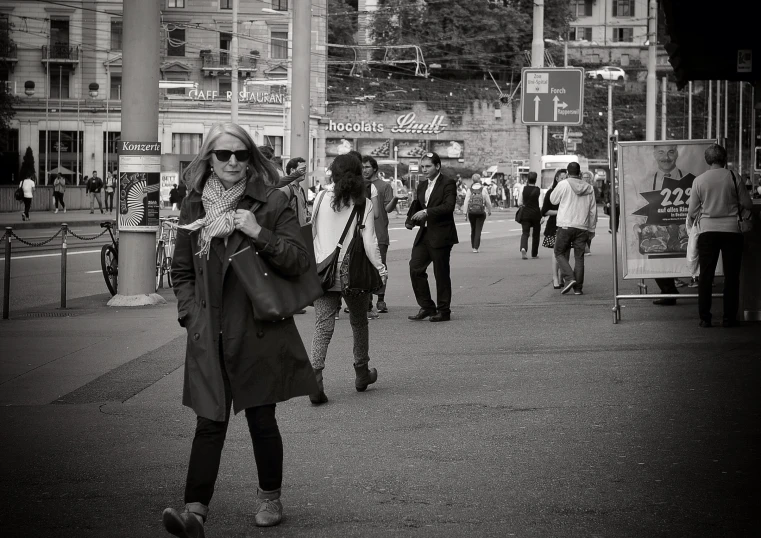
354,211
316,206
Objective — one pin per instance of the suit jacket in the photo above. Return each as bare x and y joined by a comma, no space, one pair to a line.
439,223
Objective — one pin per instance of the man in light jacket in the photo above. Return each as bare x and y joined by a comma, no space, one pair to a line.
577,216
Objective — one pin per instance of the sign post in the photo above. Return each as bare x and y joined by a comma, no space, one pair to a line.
552,96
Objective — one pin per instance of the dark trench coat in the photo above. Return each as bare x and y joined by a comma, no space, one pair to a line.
265,361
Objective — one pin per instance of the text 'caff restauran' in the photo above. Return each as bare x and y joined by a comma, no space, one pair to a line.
243,96
404,124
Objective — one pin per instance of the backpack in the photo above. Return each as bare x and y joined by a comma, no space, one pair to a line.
297,202
476,202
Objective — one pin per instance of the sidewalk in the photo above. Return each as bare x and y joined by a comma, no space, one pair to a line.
529,414
50,219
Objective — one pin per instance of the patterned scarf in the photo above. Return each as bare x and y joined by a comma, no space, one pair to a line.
220,204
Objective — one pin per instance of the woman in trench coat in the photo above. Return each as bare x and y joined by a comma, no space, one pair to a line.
232,358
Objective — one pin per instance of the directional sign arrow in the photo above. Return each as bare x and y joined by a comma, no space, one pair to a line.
536,108
560,105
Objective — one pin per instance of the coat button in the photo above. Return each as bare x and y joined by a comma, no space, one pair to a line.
203,304
196,336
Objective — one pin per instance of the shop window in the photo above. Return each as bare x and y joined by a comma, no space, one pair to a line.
116,87
59,85
582,8
225,42
9,141
279,45
276,142
578,33
175,3
116,35
63,150
623,8
176,42
186,143
623,35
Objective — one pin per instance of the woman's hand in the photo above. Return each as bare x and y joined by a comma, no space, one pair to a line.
245,222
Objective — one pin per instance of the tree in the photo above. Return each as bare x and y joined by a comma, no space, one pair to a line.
342,26
7,100
27,165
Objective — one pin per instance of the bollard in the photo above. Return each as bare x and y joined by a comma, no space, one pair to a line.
7,276
64,228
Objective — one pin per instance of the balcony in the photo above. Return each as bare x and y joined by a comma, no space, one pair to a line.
218,63
61,55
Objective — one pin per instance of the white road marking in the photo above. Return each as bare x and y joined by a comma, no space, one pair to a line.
50,255
516,230
90,272
394,240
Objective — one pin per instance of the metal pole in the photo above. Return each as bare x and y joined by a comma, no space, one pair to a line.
664,89
65,229
301,64
709,103
689,110
7,275
726,110
545,136
234,66
740,133
610,118
108,97
77,178
537,60
60,104
652,83
718,111
613,227
47,114
565,127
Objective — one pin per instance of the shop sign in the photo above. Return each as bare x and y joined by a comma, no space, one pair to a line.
405,124
243,97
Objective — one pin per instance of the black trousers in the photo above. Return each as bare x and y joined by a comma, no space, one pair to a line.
422,256
110,201
730,245
27,205
206,453
667,285
476,225
528,225
58,197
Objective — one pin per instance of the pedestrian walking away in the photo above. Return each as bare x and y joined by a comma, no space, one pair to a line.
110,189
333,211
531,216
432,210
173,197
576,217
386,202
93,188
588,178
477,207
550,211
233,359
717,202
59,189
28,185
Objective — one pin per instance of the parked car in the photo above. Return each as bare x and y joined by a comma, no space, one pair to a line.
607,73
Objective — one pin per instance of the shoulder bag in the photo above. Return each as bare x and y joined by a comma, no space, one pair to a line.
273,296
358,274
519,214
745,225
19,194
327,269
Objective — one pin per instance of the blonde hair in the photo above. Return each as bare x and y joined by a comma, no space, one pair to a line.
257,167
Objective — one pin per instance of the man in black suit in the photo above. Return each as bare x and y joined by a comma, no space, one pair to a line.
432,210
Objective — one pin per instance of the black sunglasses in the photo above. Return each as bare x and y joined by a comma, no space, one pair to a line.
224,155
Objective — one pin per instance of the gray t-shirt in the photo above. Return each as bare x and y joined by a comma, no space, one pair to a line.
385,195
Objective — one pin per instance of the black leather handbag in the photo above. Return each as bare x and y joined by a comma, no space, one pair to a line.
358,275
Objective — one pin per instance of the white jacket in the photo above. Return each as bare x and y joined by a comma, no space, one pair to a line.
578,208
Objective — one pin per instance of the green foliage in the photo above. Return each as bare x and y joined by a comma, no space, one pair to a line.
342,25
7,100
27,164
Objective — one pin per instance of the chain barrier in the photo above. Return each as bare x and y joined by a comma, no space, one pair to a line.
32,244
82,238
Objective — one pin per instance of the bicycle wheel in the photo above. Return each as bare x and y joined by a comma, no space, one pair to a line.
160,257
109,265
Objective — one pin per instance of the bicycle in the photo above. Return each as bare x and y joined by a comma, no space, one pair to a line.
165,250
109,259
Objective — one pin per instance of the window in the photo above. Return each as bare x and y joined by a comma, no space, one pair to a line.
225,85
623,8
186,143
59,85
225,41
276,142
176,42
116,35
582,8
279,46
578,33
116,87
225,4
176,91
623,35
175,3
280,5
59,38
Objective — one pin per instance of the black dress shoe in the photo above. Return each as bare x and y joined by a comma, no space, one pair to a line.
441,316
665,302
422,314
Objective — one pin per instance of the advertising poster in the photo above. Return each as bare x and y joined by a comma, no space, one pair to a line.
168,180
411,149
338,146
139,186
448,149
656,182
378,149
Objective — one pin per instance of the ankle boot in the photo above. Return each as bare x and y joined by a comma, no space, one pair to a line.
269,512
319,397
189,523
365,376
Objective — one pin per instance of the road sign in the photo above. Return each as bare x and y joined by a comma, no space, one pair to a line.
577,134
552,96
574,141
557,136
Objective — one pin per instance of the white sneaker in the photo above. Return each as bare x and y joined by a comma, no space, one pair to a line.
56,210
64,210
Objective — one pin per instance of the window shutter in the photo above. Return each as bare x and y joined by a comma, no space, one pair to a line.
587,8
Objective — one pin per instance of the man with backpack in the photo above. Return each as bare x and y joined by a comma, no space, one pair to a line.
477,206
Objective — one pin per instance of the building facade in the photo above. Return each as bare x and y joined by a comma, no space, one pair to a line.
66,72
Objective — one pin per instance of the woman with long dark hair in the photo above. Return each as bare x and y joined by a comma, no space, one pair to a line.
550,211
232,358
531,217
332,210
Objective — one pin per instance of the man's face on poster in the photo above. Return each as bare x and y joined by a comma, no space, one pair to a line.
666,157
